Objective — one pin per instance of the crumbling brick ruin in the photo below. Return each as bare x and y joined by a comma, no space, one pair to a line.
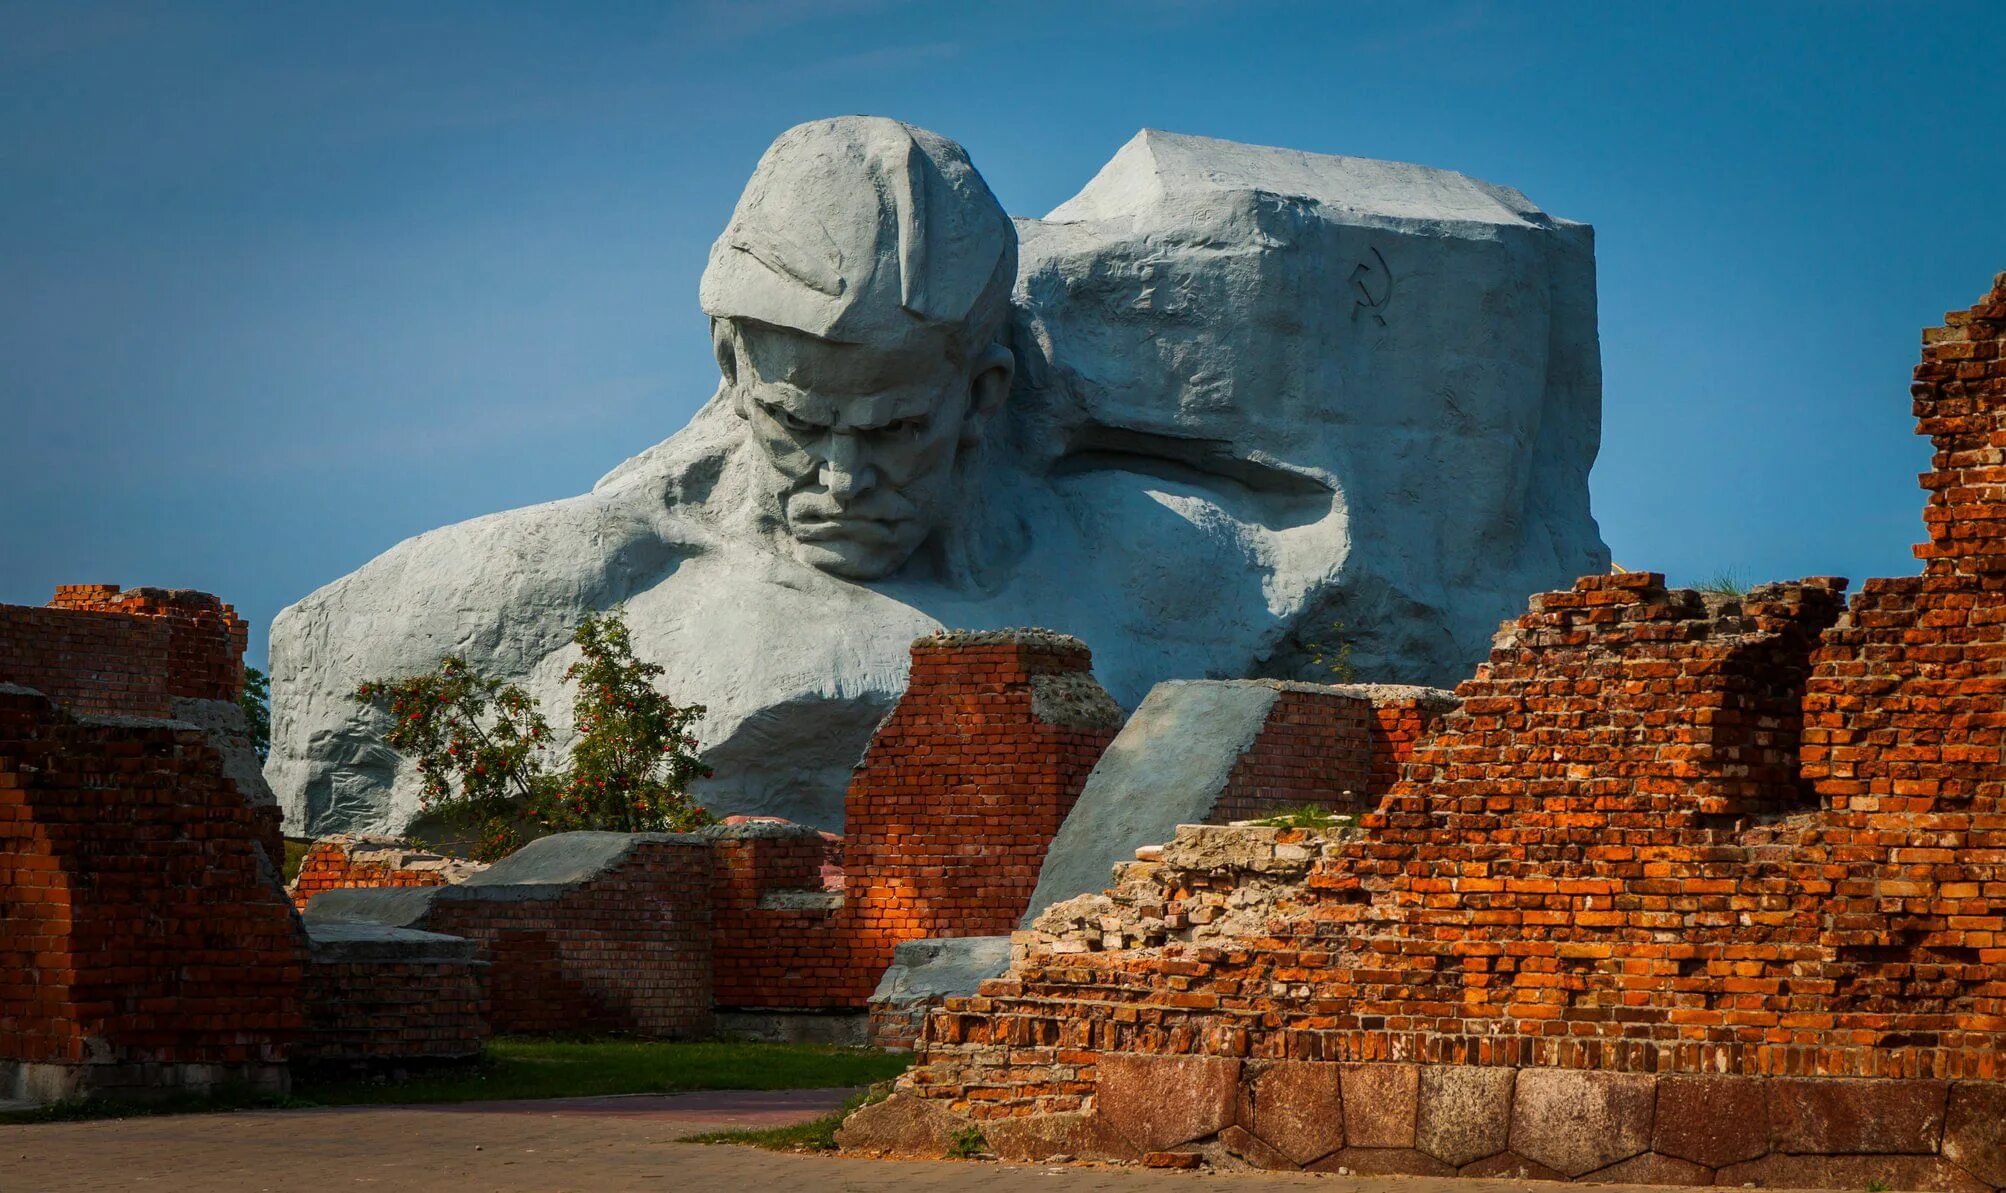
146,944
1690,889
347,860
144,941
581,931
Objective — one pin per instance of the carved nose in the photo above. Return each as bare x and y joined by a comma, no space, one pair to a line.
845,473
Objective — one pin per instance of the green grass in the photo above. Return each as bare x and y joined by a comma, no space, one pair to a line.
521,1067
816,1135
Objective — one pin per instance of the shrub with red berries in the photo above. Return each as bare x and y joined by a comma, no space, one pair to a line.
482,747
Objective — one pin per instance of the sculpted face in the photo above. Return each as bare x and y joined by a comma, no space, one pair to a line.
864,441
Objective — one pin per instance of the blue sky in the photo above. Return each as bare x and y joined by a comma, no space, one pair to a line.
281,284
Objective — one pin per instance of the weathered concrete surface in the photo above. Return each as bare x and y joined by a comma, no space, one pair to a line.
1227,404
940,967
1166,767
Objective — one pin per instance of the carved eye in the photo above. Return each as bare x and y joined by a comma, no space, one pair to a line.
904,426
789,420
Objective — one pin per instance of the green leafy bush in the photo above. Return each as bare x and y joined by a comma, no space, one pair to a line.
482,746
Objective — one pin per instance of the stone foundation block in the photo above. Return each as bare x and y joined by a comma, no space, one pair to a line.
1841,1117
1712,1121
1380,1105
1575,1122
1509,1166
1383,1161
1158,1102
1464,1113
901,1125
1036,1137
1974,1131
1296,1107
1249,1147
1653,1169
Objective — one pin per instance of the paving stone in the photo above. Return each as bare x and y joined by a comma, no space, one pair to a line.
1382,1161
1712,1121
1158,1102
1921,1174
1653,1169
1464,1112
1380,1105
1296,1107
1820,1117
1974,1130
1577,1122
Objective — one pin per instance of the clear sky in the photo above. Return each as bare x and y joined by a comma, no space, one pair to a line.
281,284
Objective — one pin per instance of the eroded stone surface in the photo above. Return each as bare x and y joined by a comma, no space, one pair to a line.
1032,1138
901,1125
1654,1169
1295,1106
1974,1131
1509,1166
1576,1122
1159,1102
1838,1117
1712,1121
1464,1113
1249,1147
1380,1105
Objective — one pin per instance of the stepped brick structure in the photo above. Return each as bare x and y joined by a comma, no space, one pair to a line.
346,861
948,817
144,941
1691,889
581,931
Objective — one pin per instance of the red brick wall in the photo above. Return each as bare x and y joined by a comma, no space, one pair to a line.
345,862
628,950
374,1010
963,788
1315,748
949,815
778,936
133,909
1664,833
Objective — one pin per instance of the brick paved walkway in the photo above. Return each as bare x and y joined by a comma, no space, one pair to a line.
599,1144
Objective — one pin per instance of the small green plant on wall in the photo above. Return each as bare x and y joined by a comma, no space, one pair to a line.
1333,655
482,747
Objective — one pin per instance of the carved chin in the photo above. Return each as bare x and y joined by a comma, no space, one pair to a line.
850,559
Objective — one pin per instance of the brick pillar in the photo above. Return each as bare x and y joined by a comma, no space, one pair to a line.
965,785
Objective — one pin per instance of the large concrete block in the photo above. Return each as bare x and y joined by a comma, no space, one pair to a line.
1381,1103
1297,1107
1576,1122
1832,1117
1158,1102
1464,1113
1712,1121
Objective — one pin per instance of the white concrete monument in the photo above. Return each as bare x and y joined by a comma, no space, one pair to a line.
1226,405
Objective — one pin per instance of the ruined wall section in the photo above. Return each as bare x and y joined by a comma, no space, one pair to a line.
144,941
1904,721
963,788
347,861
777,923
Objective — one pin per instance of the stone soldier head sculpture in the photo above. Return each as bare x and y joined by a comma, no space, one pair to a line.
857,299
